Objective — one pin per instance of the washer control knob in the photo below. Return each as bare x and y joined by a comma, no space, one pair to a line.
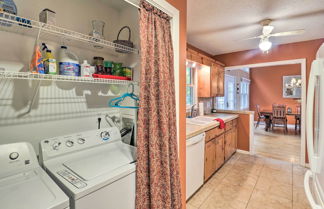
69,143
13,155
56,145
81,140
104,135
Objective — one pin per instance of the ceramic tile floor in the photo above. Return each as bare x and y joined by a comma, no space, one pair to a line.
276,144
253,182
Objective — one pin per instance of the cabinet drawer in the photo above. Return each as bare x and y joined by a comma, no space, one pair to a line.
213,133
228,125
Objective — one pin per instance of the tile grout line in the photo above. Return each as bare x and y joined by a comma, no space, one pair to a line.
215,187
254,187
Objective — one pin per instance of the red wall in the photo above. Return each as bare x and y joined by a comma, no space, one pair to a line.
266,87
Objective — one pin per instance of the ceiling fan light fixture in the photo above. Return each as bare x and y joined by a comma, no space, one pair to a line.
265,45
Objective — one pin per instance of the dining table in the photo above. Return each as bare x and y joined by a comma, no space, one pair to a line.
267,113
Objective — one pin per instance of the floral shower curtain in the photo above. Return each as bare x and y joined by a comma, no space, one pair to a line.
157,174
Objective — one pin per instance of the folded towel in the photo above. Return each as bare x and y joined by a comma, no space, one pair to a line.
221,123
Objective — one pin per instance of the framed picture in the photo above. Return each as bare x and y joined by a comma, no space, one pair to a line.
292,86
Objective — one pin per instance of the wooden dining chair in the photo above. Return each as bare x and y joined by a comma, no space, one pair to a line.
260,116
279,116
298,119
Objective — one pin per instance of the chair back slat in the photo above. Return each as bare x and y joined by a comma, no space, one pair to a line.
278,111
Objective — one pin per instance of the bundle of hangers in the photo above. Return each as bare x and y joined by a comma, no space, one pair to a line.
116,101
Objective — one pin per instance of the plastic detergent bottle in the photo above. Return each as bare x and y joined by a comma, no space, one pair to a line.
50,63
68,62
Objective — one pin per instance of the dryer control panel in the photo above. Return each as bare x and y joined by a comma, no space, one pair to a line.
17,158
61,145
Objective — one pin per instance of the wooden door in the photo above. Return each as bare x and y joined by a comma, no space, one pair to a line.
210,154
219,151
220,81
228,144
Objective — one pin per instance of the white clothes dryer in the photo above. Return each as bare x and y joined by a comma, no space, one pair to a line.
24,184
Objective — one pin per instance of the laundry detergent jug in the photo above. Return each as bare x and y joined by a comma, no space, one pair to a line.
68,62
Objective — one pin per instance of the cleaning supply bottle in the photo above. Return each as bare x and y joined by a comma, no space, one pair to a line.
68,62
36,64
86,69
50,63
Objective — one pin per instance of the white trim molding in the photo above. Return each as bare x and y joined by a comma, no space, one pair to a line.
243,152
302,62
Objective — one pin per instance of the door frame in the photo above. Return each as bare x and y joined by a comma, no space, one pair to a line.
302,63
226,90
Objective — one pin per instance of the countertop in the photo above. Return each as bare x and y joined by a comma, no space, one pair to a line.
236,111
194,129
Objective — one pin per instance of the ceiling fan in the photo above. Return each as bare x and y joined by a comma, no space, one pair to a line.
265,44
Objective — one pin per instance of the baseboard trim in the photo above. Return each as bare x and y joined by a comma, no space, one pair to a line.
243,151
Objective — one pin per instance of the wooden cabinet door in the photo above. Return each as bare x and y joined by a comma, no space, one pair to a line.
196,57
235,138
232,144
228,145
210,154
204,82
220,81
213,80
219,151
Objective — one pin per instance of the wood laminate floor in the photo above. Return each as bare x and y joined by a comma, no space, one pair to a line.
278,145
253,182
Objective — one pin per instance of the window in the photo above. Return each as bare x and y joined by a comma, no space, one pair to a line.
228,101
220,103
245,88
190,86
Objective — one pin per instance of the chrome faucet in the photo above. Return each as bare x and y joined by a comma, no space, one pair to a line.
192,110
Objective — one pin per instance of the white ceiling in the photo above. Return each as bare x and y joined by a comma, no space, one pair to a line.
218,26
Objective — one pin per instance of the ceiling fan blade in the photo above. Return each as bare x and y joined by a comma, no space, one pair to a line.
255,37
288,33
267,29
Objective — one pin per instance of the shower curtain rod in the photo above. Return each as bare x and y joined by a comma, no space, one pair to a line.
135,3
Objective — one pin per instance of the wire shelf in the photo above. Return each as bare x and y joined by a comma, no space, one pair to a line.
49,77
26,26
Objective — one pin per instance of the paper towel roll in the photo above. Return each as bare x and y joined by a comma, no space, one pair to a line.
201,108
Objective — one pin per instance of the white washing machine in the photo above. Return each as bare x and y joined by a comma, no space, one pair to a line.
95,168
24,184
